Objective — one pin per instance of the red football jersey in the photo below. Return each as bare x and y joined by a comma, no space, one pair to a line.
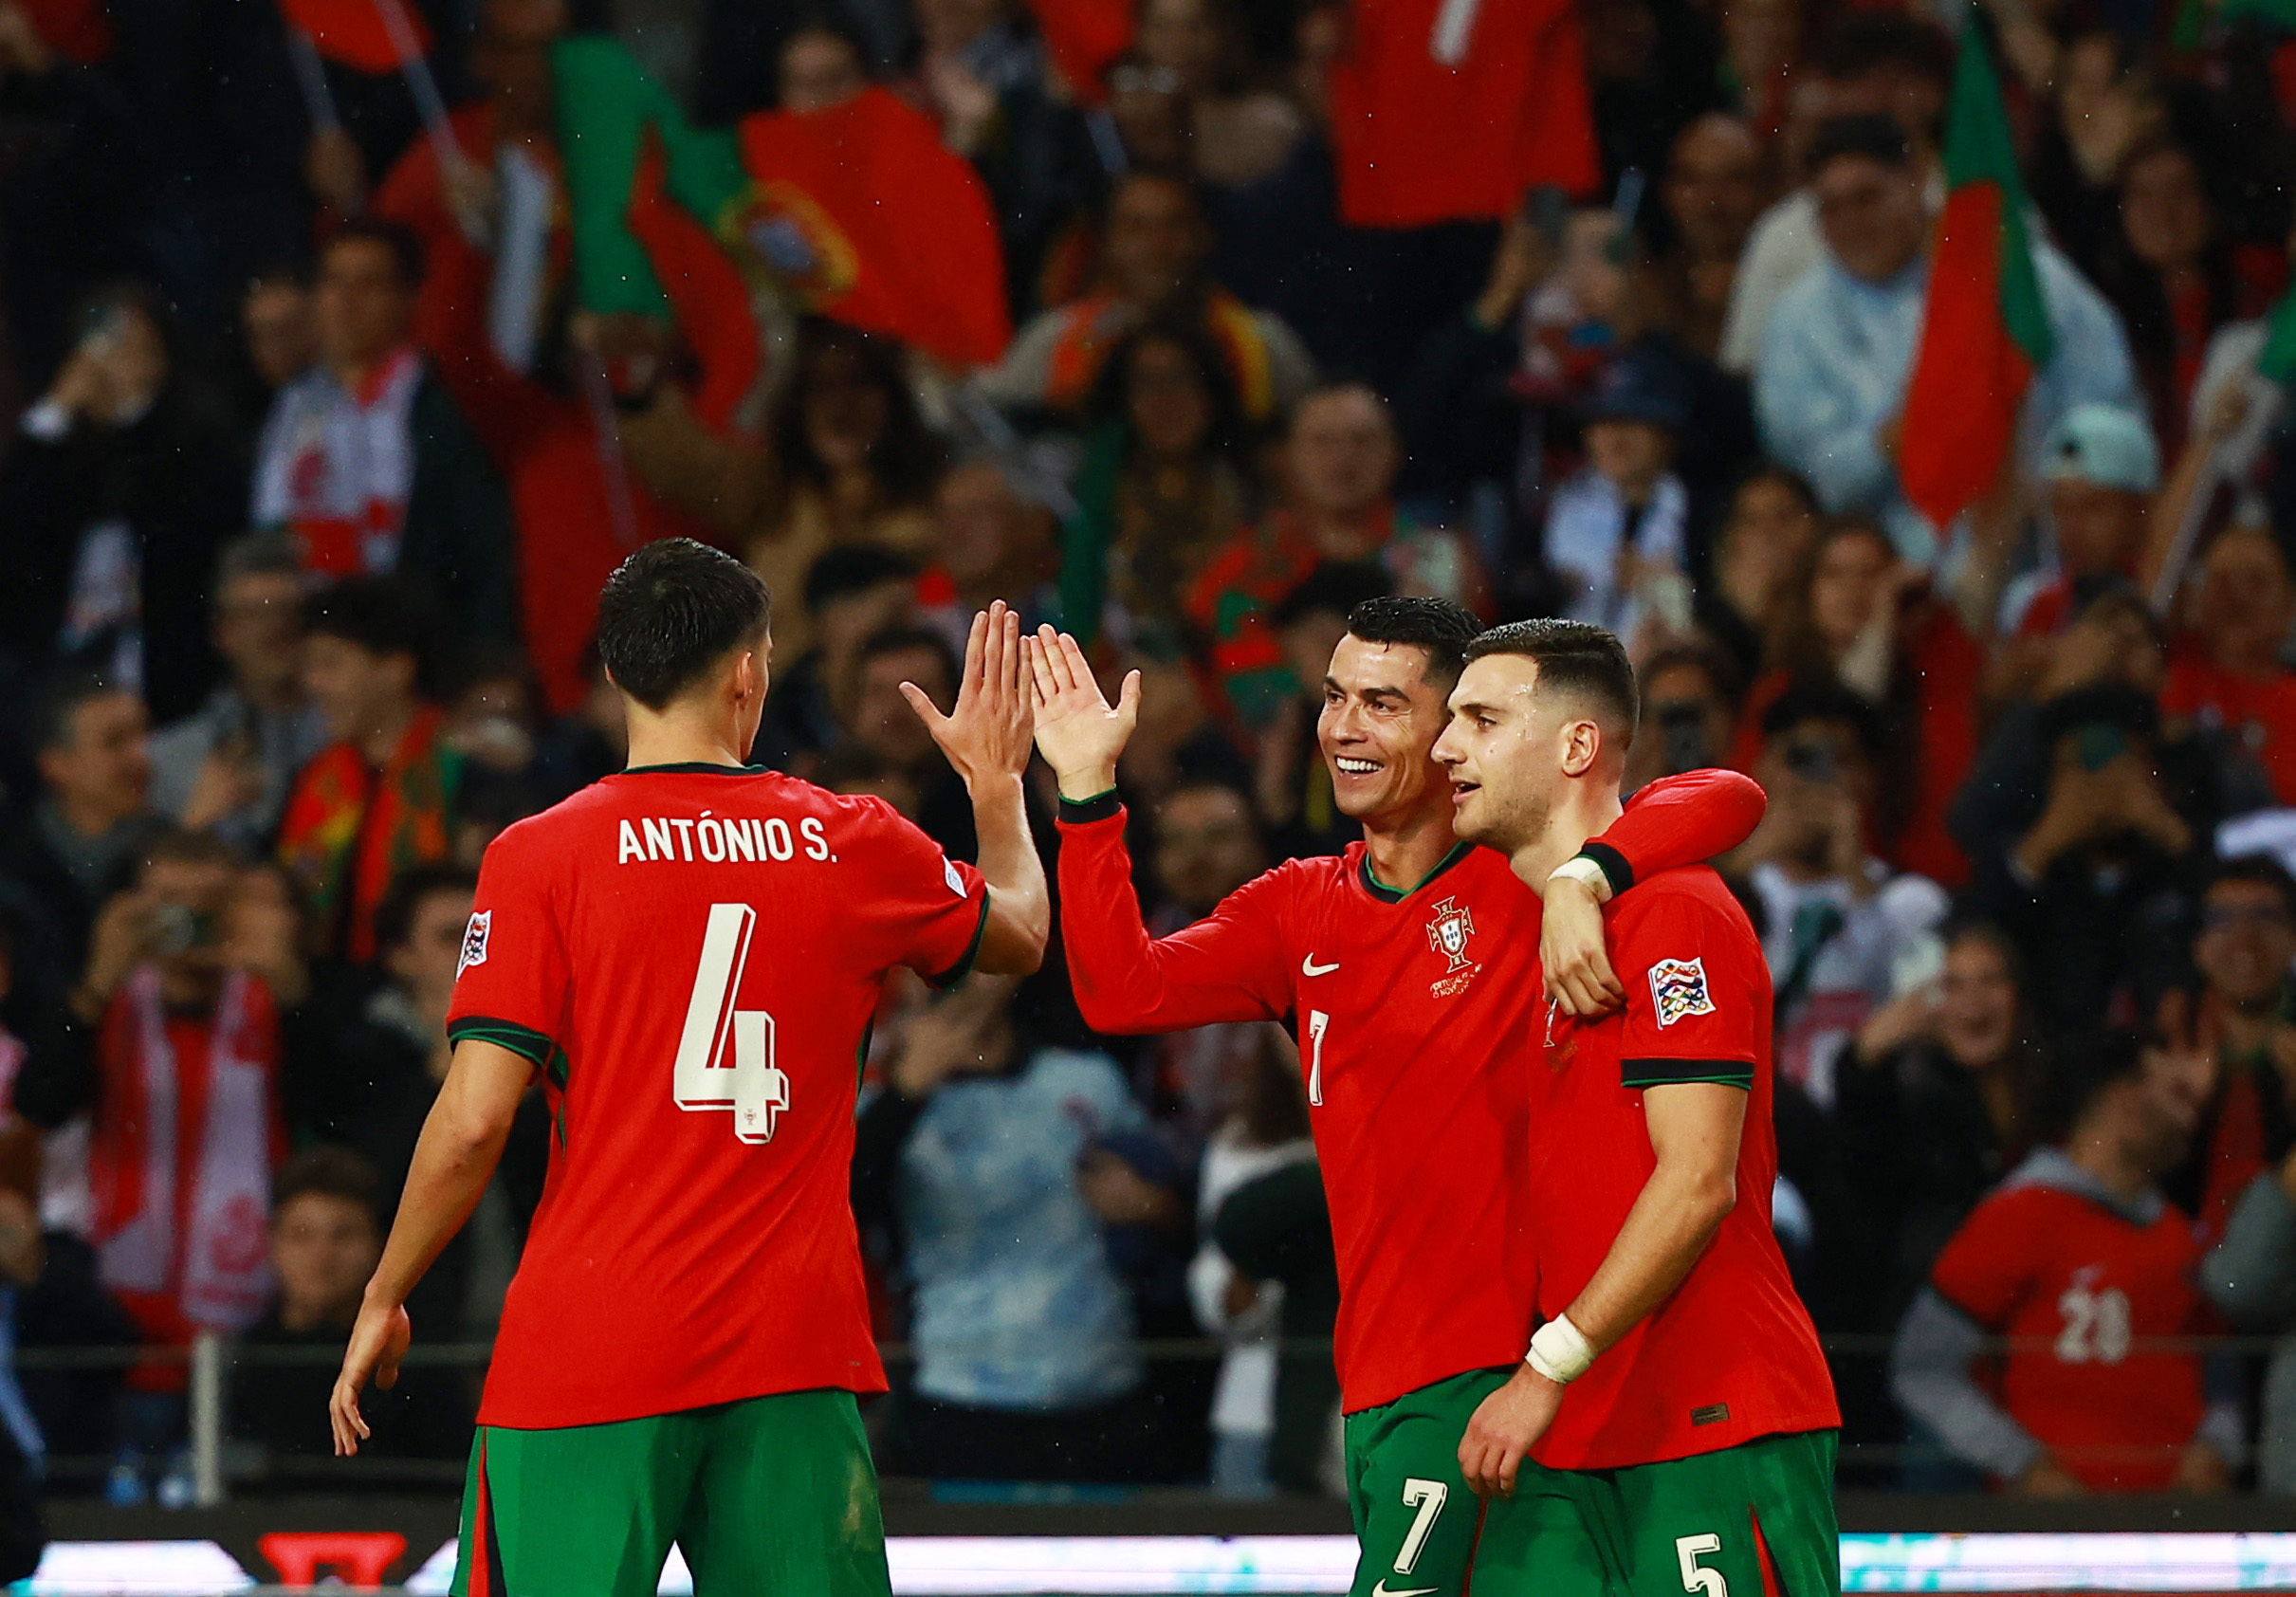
2072,1284
1411,1008
693,955
1731,1355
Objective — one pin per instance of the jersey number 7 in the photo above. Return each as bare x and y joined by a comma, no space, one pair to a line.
750,1086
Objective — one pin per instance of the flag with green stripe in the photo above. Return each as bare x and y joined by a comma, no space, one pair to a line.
1985,326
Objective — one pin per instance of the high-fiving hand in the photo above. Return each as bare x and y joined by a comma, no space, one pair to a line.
987,735
1078,735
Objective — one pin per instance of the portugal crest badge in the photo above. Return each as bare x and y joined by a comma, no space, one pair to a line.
1448,931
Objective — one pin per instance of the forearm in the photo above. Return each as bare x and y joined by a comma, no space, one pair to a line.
455,1158
1928,1374
1020,906
1676,821
1126,983
1667,1231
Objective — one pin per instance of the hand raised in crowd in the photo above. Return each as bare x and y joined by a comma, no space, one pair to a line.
1119,1194
988,733
1522,262
121,940
1079,736
1912,1014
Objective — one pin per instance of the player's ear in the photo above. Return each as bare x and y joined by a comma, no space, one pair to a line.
1582,740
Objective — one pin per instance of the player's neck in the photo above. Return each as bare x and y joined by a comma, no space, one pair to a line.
1584,810
683,734
1405,851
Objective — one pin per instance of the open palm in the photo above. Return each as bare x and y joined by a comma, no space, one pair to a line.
1079,736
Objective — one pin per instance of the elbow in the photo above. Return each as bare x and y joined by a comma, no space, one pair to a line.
1713,1194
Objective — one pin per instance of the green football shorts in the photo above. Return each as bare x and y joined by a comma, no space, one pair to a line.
1754,1521
1421,1530
773,1497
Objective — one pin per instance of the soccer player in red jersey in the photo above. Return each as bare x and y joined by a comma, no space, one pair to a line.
2091,1274
688,954
1404,966
1675,1388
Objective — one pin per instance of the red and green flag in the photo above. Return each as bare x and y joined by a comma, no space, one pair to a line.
361,34
1985,326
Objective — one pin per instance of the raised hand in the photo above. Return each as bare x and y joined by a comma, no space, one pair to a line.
1078,735
987,735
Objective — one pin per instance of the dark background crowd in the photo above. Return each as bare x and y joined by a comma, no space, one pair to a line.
311,461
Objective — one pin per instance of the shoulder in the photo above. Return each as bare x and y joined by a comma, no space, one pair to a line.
1687,914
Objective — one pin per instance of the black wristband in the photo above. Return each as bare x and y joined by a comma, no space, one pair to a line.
1613,865
1079,811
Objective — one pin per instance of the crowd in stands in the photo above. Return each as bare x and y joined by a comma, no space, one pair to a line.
317,442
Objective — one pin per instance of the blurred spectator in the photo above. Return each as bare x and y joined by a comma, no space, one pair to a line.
1712,193
1154,247
2226,671
1870,64
1689,712
326,1239
2175,278
1768,533
1940,1096
2090,886
1615,537
2080,1262
1276,1228
80,837
2102,468
993,538
1001,1164
1857,617
380,798
854,462
1830,383
368,462
278,333
1843,932
125,480
1264,1130
227,766
881,723
1163,486
852,595
182,1081
819,65
1207,844
1339,463
2104,103
2242,951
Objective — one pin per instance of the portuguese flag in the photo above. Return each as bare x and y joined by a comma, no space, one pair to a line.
1985,329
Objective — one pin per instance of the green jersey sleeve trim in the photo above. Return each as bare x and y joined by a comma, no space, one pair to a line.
957,972
1083,811
1613,865
534,1047
1677,1073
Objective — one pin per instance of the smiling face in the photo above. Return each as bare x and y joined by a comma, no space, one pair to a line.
1381,715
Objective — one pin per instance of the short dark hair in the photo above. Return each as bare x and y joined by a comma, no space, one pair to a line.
1866,135
326,1171
1333,588
1865,42
673,609
403,242
256,554
57,705
905,640
1821,699
1575,657
394,915
2260,869
381,614
2083,1069
1441,627
853,568
1719,669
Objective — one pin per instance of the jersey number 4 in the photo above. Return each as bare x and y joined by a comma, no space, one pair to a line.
750,1086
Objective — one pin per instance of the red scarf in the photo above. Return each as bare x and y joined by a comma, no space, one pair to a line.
349,830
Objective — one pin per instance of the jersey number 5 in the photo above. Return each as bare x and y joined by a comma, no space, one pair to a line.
750,1085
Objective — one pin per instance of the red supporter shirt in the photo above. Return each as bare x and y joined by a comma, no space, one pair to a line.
693,955
2259,712
2072,1283
1731,1356
1411,1009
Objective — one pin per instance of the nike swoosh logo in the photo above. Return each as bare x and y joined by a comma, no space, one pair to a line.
1379,1589
1309,967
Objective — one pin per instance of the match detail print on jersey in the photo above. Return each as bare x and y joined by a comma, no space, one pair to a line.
751,1087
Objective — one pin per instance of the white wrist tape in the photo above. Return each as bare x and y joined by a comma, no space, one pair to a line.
1559,1352
1587,873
